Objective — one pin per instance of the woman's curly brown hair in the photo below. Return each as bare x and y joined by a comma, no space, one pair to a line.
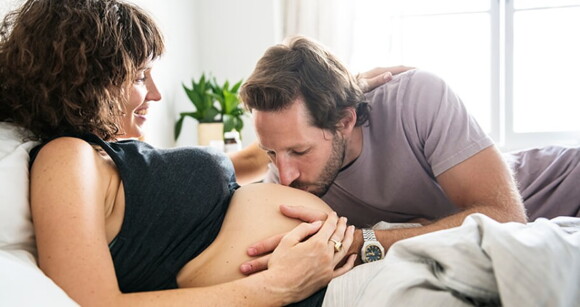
65,65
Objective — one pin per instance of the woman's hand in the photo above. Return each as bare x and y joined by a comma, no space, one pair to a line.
307,257
265,247
371,79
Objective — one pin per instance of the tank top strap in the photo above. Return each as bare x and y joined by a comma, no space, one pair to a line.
87,137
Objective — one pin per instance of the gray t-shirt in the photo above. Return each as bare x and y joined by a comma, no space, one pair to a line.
548,179
418,129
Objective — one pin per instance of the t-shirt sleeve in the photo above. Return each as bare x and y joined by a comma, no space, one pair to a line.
448,133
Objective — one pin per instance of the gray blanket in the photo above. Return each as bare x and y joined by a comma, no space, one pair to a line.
481,263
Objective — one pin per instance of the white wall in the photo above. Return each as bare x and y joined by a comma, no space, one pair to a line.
222,37
233,35
6,5
175,17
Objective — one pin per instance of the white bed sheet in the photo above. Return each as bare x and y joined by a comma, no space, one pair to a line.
482,261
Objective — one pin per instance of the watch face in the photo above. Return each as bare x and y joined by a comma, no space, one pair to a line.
373,253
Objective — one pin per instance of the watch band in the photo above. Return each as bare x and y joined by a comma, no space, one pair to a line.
368,234
372,249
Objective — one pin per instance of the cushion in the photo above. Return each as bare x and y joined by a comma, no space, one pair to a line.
16,232
22,283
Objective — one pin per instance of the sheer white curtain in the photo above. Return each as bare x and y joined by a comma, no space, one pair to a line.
7,5
513,62
328,21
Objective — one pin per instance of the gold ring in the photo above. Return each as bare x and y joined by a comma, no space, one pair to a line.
337,245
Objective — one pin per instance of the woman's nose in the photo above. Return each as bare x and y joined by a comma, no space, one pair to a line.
153,93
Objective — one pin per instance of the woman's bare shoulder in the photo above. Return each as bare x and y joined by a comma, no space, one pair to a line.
66,146
65,152
68,162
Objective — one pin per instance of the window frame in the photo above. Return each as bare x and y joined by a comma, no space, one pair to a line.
510,139
502,104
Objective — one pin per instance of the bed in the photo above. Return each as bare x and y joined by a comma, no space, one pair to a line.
481,263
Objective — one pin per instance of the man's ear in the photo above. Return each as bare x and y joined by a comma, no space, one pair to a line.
347,122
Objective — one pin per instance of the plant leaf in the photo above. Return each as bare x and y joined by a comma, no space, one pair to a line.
236,87
209,115
233,123
229,123
178,126
214,102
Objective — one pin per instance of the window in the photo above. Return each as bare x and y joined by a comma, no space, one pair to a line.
514,63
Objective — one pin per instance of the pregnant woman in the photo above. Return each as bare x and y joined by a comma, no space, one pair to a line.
123,223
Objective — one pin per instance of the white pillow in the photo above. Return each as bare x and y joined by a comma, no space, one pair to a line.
16,232
22,283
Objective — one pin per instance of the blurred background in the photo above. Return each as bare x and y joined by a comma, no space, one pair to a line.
514,63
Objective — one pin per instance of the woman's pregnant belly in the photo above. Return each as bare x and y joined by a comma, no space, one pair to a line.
253,215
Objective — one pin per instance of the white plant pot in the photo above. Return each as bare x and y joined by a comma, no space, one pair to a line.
210,134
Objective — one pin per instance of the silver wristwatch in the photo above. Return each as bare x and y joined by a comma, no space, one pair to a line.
372,249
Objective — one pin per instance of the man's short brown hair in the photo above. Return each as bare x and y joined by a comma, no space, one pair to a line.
303,68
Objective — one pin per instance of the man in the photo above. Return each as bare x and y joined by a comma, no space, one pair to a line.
411,153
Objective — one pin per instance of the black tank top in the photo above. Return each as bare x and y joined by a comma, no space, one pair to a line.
175,203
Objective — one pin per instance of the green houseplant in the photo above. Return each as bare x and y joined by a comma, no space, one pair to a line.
213,103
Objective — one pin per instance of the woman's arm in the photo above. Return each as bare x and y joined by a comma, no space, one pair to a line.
369,80
69,187
68,191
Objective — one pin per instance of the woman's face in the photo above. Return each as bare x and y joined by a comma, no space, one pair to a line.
142,91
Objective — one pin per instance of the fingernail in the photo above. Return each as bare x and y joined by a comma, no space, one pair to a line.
245,268
252,251
317,223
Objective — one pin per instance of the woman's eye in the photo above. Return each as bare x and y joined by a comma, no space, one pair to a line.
141,80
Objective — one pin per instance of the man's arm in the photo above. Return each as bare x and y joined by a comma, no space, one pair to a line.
480,184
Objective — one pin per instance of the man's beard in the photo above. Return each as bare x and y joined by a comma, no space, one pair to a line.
329,172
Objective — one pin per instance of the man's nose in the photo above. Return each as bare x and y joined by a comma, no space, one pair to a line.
287,170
